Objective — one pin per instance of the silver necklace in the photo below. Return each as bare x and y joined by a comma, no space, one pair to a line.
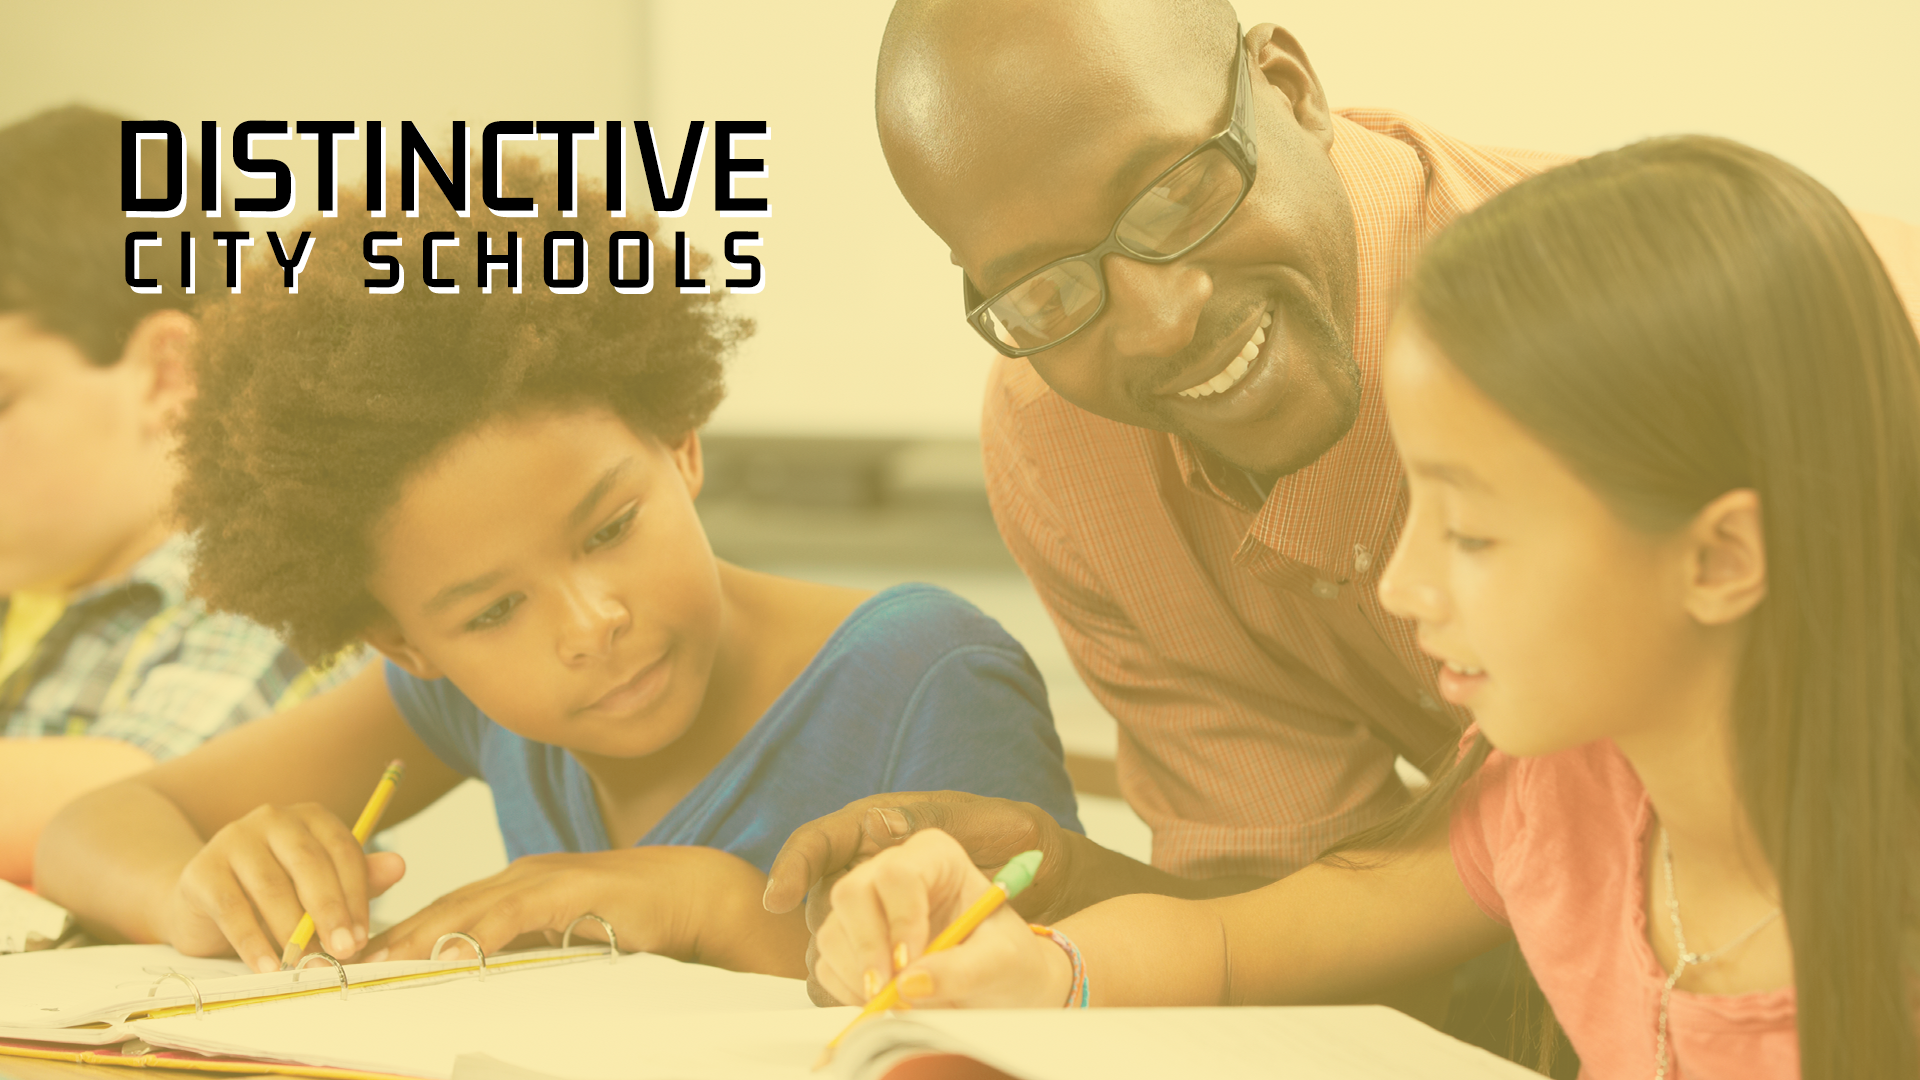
1684,959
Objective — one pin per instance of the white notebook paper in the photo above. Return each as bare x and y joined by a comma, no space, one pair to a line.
651,1018
29,922
85,997
583,1021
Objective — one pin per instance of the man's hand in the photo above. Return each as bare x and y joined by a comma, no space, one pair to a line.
1075,873
690,903
991,830
889,908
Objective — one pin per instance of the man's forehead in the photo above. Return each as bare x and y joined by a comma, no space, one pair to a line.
1067,199
1015,138
1049,198
948,107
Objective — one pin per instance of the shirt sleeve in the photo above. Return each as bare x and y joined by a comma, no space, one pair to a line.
220,671
441,715
1243,784
978,721
1481,828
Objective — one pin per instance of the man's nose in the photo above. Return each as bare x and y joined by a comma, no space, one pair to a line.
592,619
1153,309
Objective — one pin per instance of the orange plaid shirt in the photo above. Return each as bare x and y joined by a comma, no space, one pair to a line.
1261,689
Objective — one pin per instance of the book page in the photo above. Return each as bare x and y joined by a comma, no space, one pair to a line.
64,995
57,987
1346,1042
595,1020
27,921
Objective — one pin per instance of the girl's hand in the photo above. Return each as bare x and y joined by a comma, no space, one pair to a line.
246,889
690,903
887,909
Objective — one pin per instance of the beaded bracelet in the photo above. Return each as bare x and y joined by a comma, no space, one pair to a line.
1081,987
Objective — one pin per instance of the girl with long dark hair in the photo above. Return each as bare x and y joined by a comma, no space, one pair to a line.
1660,417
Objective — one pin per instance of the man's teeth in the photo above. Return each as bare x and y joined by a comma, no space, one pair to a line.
1232,372
1458,669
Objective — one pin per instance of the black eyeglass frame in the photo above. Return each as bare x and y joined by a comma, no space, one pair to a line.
1235,140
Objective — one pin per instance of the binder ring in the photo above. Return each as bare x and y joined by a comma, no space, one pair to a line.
323,955
477,950
199,1007
613,951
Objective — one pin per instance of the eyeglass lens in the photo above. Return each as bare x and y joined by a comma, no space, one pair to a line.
1182,206
1176,213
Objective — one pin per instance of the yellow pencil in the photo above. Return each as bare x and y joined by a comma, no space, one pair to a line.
363,828
1012,879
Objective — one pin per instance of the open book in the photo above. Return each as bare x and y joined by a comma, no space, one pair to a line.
584,1016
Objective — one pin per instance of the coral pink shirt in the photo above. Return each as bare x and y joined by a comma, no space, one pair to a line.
1555,847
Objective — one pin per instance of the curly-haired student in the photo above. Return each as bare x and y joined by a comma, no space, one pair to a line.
496,491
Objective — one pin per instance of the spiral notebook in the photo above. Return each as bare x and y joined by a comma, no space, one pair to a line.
96,996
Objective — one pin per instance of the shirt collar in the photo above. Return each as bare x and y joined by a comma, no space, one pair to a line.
164,571
1337,514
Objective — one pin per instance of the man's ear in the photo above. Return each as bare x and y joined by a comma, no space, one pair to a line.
692,466
1278,56
159,355
390,642
1727,549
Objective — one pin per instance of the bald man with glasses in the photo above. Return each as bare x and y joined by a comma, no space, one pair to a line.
1187,261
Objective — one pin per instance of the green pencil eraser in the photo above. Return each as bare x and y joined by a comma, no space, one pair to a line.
1018,873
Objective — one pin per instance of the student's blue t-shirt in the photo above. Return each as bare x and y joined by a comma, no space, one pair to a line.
915,691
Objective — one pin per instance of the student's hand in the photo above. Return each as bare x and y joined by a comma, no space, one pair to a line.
691,903
246,889
887,909
990,830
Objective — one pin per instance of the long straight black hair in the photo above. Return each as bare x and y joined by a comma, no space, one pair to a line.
1688,316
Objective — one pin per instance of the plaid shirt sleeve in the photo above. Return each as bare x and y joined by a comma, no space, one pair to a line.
204,674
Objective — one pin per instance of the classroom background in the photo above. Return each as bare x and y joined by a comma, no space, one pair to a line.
847,450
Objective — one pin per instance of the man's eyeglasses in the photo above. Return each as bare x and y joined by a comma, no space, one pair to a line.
1174,214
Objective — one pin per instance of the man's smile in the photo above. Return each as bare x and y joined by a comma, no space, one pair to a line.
1225,375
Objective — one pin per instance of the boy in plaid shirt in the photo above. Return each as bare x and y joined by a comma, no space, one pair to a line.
106,666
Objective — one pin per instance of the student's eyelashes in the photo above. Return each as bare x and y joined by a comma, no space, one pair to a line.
612,530
1468,544
501,610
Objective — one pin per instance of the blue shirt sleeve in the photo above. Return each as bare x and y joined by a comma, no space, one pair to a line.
916,691
441,715
979,722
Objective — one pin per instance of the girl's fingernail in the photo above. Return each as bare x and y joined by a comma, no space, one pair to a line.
917,984
899,956
343,942
265,964
871,983
378,956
